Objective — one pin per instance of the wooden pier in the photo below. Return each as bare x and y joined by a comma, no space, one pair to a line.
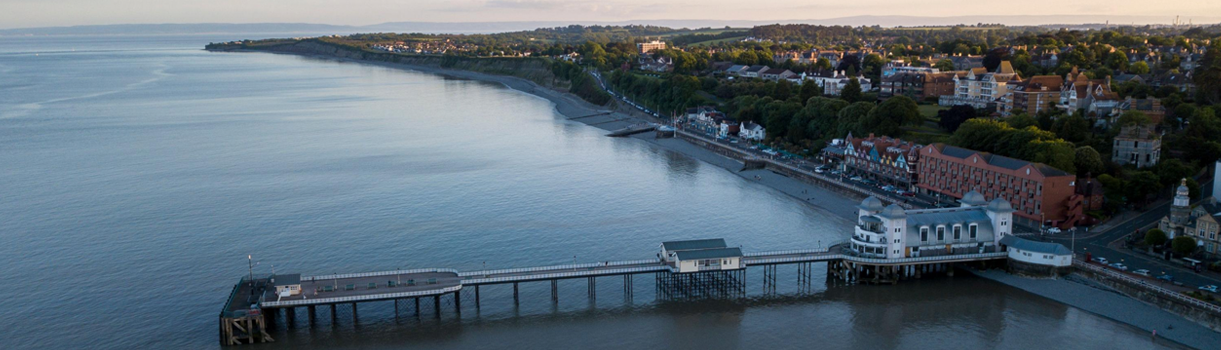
254,305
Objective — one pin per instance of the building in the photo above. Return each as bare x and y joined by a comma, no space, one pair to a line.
728,127
752,131
967,62
650,46
1150,107
892,232
700,255
1202,222
1092,195
1039,193
1216,184
917,85
1094,96
776,74
287,285
1035,95
655,64
755,71
981,90
735,70
1028,257
886,160
1138,145
833,82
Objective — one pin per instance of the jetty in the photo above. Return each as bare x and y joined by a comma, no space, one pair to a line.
633,129
682,270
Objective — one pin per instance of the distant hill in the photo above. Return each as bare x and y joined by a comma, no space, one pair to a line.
495,27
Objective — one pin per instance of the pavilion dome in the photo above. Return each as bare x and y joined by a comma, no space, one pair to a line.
973,198
871,204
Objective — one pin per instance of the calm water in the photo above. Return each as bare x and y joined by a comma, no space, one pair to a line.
136,174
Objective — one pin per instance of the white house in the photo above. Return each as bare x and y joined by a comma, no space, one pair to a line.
287,285
751,131
833,82
700,255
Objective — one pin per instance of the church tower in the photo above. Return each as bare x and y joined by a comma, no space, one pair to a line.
1180,210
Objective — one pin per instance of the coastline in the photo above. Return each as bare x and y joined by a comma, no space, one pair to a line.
575,109
1105,303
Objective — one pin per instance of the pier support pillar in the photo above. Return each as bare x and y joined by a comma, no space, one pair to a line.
333,315
355,315
458,301
312,311
476,297
555,297
290,314
436,305
396,308
515,294
417,307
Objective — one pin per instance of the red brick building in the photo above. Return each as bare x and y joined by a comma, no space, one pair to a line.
1037,192
887,160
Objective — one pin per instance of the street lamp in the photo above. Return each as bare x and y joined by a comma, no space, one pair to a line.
250,265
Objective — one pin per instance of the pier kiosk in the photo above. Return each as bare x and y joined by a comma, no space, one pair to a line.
701,268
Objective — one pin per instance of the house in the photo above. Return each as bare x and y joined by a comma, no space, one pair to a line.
981,90
658,64
1138,145
886,160
735,70
775,74
1094,96
894,233
755,71
1041,194
1032,96
728,127
1151,107
700,255
833,82
287,285
967,62
917,85
751,131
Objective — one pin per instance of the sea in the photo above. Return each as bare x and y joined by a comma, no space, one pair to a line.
141,177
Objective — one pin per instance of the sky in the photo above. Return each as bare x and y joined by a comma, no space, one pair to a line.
46,13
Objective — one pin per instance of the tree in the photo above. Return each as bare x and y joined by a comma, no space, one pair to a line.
823,64
809,89
1183,245
1117,60
1207,76
1132,118
1021,121
1073,128
852,91
945,65
1140,67
1155,238
953,117
1142,184
783,90
994,57
850,118
1088,161
889,116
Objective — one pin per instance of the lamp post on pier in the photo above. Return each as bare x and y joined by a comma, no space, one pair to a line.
250,265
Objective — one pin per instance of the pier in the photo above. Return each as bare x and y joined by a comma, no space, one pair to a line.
687,270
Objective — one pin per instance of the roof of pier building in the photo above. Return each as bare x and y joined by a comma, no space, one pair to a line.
973,198
948,217
718,253
1036,247
871,204
286,279
694,244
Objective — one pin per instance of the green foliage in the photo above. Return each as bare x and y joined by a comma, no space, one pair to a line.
945,65
850,119
1207,76
1030,143
1073,128
852,91
1087,160
1183,245
950,119
1132,118
1118,61
1141,185
1140,67
808,90
890,115
1020,121
1155,238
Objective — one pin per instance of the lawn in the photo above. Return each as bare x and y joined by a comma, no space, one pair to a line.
930,111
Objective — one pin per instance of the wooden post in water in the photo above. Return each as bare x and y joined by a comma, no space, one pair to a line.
476,297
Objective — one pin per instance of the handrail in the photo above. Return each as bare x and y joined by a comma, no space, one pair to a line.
788,252
355,298
556,267
577,273
1145,284
376,273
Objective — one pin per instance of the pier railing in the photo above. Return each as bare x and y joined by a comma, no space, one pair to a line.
556,267
787,252
1150,286
374,274
355,298
567,274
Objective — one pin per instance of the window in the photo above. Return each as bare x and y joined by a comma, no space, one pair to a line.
940,233
957,232
924,234
972,230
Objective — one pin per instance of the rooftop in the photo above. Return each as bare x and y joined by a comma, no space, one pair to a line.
717,253
1033,246
694,244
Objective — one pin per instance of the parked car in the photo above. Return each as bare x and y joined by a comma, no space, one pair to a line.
1209,288
856,178
1142,272
836,172
1119,266
1167,278
1053,230
906,193
820,170
890,188
1100,260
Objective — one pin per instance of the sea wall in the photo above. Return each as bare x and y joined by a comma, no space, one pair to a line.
1159,298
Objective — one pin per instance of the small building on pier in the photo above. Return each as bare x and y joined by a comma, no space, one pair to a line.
700,255
891,232
287,285
1034,258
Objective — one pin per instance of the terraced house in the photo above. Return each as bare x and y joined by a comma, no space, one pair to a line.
887,160
1039,193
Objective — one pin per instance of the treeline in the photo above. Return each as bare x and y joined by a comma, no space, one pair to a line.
671,94
580,82
809,126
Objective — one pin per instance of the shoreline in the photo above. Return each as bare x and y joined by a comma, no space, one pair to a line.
574,109
837,206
